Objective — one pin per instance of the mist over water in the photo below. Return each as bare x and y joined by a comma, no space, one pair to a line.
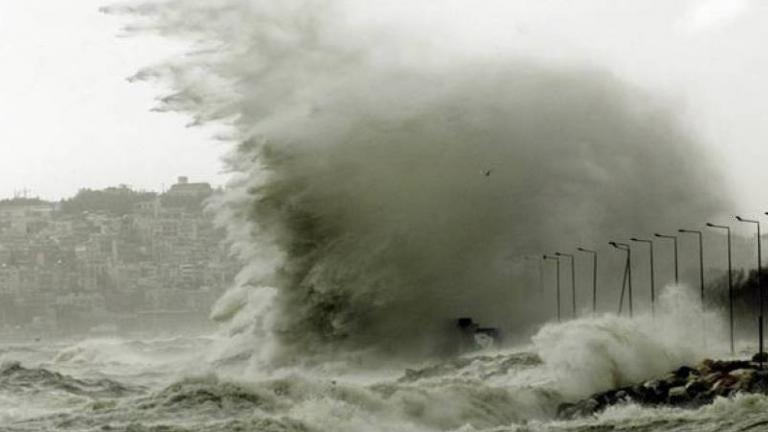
168,384
381,187
594,354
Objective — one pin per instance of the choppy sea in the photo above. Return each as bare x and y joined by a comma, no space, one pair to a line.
171,384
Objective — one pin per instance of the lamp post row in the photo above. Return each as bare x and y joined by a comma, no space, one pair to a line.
677,267
653,278
701,260
759,288
594,277
557,261
730,279
573,279
627,280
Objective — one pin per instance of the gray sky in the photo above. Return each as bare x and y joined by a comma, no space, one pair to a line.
70,119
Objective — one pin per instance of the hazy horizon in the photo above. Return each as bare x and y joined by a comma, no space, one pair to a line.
68,103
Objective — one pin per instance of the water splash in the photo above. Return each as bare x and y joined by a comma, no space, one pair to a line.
381,185
589,355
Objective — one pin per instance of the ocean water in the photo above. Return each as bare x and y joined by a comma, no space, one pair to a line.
179,384
381,185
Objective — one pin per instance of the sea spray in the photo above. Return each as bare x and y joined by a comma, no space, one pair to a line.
377,194
596,354
483,391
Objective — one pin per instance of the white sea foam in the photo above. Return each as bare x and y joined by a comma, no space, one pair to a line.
593,354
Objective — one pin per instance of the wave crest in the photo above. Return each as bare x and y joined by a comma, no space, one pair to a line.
377,196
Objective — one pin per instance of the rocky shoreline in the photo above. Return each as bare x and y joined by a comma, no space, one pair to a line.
685,387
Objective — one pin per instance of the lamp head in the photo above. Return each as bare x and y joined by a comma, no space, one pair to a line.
739,218
710,224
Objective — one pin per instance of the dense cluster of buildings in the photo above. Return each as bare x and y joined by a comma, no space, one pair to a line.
112,260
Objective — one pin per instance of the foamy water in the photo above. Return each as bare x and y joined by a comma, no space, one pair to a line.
175,384
379,186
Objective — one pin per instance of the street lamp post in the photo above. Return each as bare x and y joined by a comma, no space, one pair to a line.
573,279
653,278
674,239
627,274
730,279
557,262
759,287
701,260
594,277
541,269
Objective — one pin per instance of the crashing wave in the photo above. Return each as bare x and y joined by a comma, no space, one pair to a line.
16,378
376,196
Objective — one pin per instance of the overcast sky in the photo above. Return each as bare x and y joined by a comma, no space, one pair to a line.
71,120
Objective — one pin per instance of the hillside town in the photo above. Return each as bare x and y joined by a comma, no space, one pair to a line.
110,261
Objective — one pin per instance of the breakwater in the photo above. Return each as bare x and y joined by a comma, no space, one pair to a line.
686,387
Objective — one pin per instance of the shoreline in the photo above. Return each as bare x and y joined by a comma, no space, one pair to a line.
684,387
